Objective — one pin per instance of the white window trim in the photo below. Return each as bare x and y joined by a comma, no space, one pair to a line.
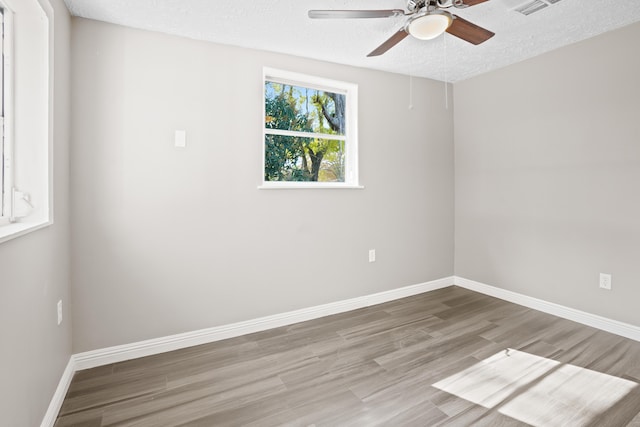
351,136
22,217
6,132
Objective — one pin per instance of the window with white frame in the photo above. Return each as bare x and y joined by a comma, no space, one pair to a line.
5,159
310,131
25,108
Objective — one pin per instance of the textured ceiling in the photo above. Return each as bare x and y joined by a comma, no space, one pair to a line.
283,26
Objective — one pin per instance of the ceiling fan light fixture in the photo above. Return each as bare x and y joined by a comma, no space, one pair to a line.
430,25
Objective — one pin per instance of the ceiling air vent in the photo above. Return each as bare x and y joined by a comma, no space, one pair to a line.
552,1
531,7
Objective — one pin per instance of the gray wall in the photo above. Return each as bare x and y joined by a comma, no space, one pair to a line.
168,240
547,176
34,271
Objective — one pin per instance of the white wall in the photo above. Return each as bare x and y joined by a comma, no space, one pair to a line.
168,240
34,275
547,169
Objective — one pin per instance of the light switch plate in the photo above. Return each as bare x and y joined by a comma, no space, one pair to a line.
59,312
181,138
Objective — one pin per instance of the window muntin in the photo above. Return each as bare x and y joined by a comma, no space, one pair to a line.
310,134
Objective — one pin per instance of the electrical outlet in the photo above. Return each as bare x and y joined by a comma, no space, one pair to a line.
372,255
59,312
605,281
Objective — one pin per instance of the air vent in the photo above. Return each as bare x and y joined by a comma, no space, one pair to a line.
552,1
531,7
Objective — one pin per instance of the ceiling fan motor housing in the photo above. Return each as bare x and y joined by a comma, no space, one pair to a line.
430,5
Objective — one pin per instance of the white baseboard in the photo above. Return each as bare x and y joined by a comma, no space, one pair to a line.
91,359
104,356
58,397
619,328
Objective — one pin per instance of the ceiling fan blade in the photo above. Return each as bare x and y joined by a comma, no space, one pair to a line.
469,3
469,31
353,14
391,42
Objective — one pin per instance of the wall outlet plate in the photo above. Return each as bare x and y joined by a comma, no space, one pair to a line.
605,281
372,255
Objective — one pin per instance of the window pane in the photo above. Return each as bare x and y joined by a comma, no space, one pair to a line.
3,206
297,108
292,158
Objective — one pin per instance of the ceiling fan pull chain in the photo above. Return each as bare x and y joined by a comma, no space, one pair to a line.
410,91
446,78
412,61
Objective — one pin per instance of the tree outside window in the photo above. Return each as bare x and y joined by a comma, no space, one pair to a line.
306,133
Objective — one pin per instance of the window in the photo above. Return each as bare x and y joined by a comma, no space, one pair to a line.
25,108
5,148
310,132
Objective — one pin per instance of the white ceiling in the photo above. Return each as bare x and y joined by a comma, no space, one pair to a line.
283,26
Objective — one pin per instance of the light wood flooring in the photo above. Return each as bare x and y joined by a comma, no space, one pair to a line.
418,361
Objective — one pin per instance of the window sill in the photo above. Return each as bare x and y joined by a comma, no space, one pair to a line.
307,186
17,229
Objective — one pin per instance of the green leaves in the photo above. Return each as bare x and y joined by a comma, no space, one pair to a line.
299,153
281,158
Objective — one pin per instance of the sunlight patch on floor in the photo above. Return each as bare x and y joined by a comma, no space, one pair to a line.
537,390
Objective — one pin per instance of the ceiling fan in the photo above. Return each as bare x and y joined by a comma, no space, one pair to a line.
427,20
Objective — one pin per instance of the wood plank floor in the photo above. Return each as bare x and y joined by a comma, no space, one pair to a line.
450,357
